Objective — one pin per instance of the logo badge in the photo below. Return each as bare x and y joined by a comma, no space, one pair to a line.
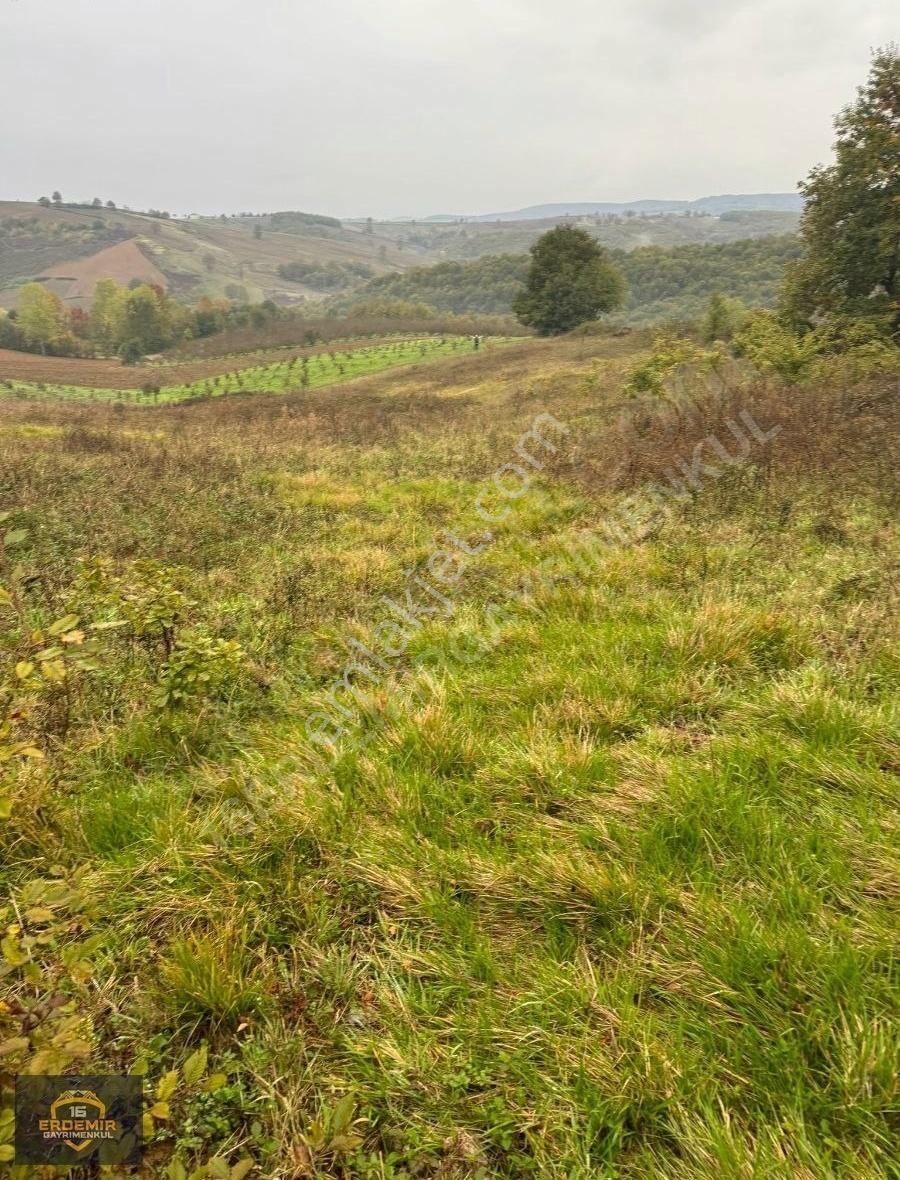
62,1120
81,1115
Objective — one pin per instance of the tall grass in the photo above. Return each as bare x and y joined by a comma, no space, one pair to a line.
611,896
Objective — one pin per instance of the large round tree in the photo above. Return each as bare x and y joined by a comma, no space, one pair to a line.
851,222
571,280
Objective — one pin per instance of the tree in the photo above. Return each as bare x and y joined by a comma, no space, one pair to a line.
570,281
96,203
108,314
110,204
57,198
45,201
41,317
851,222
724,317
10,332
146,325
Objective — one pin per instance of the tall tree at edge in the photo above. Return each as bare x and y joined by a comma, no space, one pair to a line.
851,223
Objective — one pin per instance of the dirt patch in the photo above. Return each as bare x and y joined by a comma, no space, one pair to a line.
66,370
124,262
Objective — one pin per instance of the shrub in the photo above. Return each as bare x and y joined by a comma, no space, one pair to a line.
670,354
200,668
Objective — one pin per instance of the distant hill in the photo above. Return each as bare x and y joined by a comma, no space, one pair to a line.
774,202
290,256
240,258
433,241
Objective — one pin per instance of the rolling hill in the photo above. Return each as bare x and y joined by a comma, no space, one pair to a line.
230,257
290,257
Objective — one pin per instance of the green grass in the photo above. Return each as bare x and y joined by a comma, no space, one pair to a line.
325,368
610,897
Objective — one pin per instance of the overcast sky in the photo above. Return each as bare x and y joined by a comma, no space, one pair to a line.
411,107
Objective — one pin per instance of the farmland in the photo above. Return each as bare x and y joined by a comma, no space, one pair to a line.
159,383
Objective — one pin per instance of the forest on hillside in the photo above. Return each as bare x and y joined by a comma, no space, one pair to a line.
662,284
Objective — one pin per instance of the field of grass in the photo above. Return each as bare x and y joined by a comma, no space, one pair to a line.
600,880
307,370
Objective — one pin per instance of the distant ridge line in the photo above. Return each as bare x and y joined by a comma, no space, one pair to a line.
724,203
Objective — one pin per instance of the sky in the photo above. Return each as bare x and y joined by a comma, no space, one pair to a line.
389,108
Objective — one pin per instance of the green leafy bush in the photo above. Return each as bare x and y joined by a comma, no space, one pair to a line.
199,668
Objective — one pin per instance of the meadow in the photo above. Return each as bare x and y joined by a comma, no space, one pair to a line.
306,369
600,880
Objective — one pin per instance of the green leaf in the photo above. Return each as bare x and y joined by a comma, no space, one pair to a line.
344,1143
15,537
62,625
242,1168
167,1086
54,671
342,1115
195,1066
12,952
39,914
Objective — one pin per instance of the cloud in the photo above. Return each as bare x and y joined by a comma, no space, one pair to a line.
412,106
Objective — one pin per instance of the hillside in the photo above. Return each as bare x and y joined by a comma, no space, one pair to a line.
662,283
677,283
471,239
289,257
125,262
211,256
409,781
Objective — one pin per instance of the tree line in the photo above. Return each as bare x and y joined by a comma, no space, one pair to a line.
128,322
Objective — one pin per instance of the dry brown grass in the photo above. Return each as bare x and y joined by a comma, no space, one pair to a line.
849,435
